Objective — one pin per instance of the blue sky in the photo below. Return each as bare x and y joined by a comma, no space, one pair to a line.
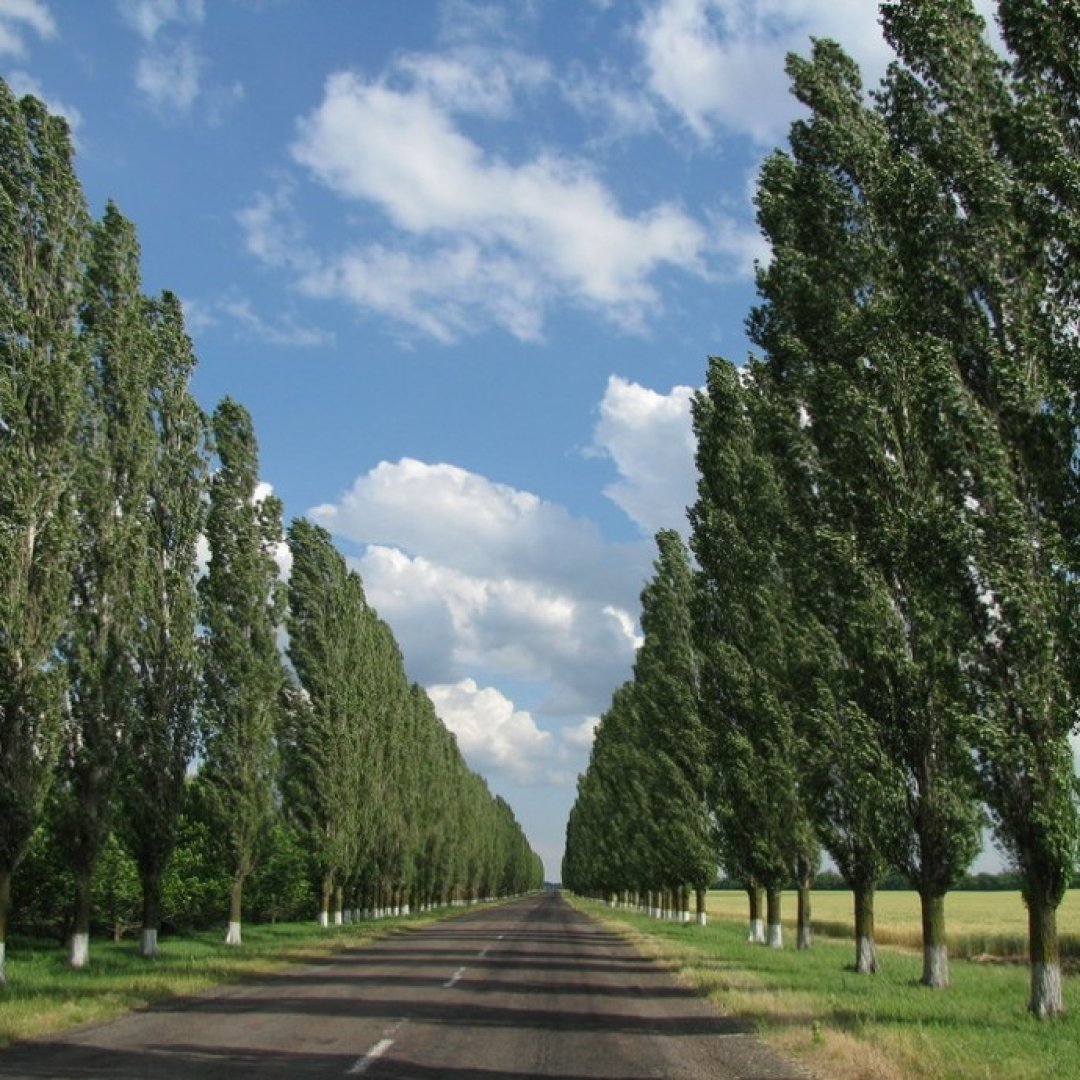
464,262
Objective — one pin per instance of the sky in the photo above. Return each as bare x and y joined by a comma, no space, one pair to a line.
464,262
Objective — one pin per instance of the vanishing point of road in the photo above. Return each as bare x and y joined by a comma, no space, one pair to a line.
521,991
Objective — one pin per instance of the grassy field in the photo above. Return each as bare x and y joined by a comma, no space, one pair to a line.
978,924
44,995
814,1009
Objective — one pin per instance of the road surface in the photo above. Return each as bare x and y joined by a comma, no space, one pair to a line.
522,991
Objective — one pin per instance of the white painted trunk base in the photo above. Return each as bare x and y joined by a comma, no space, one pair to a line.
776,936
337,918
148,943
756,933
1046,997
866,955
232,937
3,960
936,965
79,956
324,919
406,909
702,919
806,937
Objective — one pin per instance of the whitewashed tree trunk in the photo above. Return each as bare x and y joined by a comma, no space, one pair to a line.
232,936
338,918
79,952
148,946
702,918
936,966
756,934
776,936
324,919
1046,999
3,963
866,961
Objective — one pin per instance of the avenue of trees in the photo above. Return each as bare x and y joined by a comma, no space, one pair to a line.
151,707
882,605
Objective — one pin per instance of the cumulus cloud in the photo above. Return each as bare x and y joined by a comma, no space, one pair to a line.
19,16
705,59
648,437
478,577
493,734
468,237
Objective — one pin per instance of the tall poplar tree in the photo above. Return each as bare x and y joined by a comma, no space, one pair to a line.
43,237
113,474
242,604
162,735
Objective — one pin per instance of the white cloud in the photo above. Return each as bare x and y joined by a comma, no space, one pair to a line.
492,734
470,238
19,16
169,78
477,577
649,438
580,736
719,64
149,17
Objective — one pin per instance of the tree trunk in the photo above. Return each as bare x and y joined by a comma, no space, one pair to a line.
1046,999
79,950
702,917
151,914
775,929
326,887
804,937
236,893
339,903
5,908
935,951
756,894
866,961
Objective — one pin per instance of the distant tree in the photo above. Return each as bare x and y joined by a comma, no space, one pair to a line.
43,237
162,733
322,741
242,608
669,686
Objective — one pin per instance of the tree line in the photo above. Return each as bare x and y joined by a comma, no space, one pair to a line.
141,692
876,642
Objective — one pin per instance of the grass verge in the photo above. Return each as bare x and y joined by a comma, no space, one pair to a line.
815,1010
43,995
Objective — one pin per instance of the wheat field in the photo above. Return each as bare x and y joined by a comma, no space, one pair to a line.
978,924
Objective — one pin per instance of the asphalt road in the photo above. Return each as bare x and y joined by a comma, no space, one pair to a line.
526,990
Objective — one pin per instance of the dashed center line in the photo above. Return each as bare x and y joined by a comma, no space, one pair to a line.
363,1064
454,978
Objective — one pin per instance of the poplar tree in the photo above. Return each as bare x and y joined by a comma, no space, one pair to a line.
242,605
748,633
163,731
322,744
992,158
890,423
43,237
669,686
109,582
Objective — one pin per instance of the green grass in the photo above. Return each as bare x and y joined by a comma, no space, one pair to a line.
813,1008
43,995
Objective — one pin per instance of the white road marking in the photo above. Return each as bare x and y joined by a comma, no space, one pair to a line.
373,1055
454,978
